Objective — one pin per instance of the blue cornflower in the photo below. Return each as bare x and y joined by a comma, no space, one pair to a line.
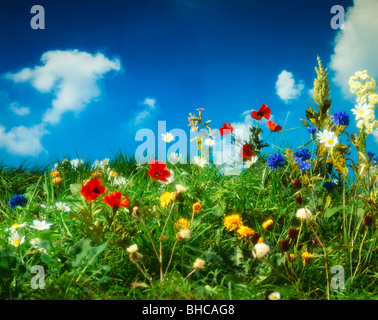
276,160
376,159
302,155
329,185
312,130
371,154
17,200
303,165
341,118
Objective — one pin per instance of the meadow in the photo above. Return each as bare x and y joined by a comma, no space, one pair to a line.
298,223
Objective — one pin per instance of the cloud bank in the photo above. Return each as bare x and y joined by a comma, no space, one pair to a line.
286,87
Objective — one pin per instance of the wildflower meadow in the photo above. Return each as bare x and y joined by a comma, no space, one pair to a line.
297,222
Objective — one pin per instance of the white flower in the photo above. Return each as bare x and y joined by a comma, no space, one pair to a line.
362,111
117,181
168,137
175,158
40,225
34,242
274,296
304,214
199,264
329,138
366,170
100,164
76,162
15,239
260,250
62,207
209,142
180,188
322,136
250,162
183,234
199,161
15,226
132,249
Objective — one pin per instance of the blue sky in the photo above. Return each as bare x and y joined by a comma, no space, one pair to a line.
110,68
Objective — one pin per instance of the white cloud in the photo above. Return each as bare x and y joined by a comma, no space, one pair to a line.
22,140
19,110
72,75
375,134
149,104
356,48
286,88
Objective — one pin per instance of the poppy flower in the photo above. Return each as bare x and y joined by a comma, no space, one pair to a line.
226,129
246,152
158,170
273,127
92,189
114,200
264,111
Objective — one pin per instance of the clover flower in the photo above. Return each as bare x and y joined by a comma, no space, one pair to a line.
341,118
17,200
276,160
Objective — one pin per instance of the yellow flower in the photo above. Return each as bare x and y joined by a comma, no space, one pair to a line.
245,232
268,225
197,207
113,174
306,257
166,199
182,223
54,174
57,180
232,222
261,240
291,257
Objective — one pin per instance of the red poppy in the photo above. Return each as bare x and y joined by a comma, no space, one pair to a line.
263,112
114,200
246,152
273,127
158,170
226,129
92,189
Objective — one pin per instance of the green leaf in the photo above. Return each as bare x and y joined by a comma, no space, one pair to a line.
237,256
47,259
218,210
330,212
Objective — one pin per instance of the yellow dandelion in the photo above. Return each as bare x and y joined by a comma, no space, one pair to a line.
166,199
54,174
261,240
306,257
57,180
245,232
197,207
291,257
182,223
268,225
232,222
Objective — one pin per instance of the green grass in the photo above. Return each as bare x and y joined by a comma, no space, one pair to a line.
89,260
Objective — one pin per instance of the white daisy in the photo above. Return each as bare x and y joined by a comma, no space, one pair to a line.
40,225
362,111
209,142
274,296
175,158
332,139
250,162
62,206
168,137
199,161
15,226
15,239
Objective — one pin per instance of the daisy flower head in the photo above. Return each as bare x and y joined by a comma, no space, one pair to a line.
16,226
62,207
362,111
168,137
232,222
209,142
199,161
17,200
274,296
40,225
250,162
328,138
276,160
16,239
260,250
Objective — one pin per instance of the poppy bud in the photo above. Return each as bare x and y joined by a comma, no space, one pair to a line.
285,246
297,184
368,220
293,233
299,199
